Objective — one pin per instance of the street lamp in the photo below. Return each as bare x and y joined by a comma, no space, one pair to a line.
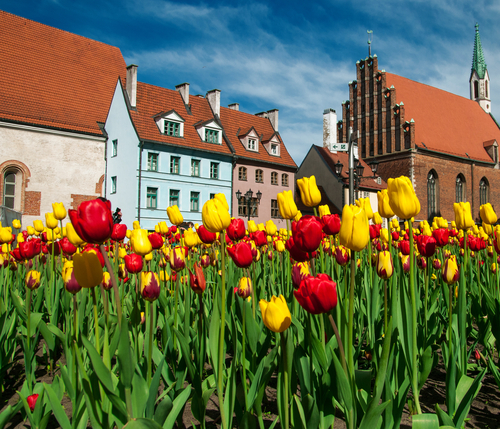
249,200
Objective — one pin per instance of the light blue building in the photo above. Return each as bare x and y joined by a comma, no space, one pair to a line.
164,148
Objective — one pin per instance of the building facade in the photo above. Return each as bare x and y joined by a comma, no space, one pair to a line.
446,144
56,90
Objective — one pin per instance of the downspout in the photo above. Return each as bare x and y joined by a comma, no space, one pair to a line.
141,145
235,159
472,185
103,194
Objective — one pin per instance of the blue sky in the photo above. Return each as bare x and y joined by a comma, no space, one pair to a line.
296,56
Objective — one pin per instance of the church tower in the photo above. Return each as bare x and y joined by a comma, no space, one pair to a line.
479,78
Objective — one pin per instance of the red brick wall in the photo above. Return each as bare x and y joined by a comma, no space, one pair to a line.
77,199
98,186
32,201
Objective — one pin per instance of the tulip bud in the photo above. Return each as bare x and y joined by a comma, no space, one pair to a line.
450,272
244,289
106,281
197,280
402,198
405,260
354,230
317,294
59,211
385,266
16,223
215,215
139,242
384,208
150,286
342,255
309,192
69,280
488,215
436,264
87,269
177,259
31,400
174,215
275,314
32,280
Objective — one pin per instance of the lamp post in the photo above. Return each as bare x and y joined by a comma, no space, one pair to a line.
249,200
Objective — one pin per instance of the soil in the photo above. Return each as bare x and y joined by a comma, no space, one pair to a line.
484,413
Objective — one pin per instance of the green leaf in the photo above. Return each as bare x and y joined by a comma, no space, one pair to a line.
319,352
125,358
57,408
467,398
342,384
19,304
444,418
162,410
213,339
426,362
142,424
252,328
100,369
425,421
153,390
177,406
299,419
48,336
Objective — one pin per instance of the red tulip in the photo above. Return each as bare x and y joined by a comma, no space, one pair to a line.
307,233
317,294
133,263
97,251
150,286
205,235
259,238
426,245
241,254
16,254
197,280
299,272
342,255
67,247
93,221
29,249
57,248
31,400
441,236
296,253
119,231
205,260
436,264
375,231
404,246
395,235
476,243
236,229
331,224
156,240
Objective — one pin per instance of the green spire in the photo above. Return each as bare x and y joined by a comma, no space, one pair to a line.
478,63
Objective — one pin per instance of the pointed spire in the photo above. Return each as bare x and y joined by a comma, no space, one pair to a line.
478,63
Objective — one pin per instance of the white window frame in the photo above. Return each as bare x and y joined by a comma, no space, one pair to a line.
113,185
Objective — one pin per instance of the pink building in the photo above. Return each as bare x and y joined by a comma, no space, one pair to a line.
262,163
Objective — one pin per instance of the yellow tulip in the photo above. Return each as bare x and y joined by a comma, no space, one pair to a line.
261,227
384,235
157,228
16,223
38,224
50,220
73,237
215,215
20,238
441,222
222,199
174,215
87,269
488,229
30,230
148,257
139,242
163,227
252,226
487,213
365,203
271,228
297,216
275,314
280,246
385,266
402,198
384,208
59,211
450,271
309,192
354,229
122,252
283,233
190,238
5,235
463,215
324,210
286,205
32,280
164,277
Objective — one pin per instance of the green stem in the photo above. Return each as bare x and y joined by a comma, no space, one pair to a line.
150,347
243,360
414,322
350,333
128,400
286,418
114,283
96,321
339,341
426,298
220,381
176,304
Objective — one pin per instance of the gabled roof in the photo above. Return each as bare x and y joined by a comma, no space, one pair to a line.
331,159
152,99
445,122
56,79
234,120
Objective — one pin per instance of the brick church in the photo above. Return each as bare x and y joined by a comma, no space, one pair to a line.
446,144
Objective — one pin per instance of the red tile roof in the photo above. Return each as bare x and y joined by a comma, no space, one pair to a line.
152,100
445,122
236,122
52,78
332,158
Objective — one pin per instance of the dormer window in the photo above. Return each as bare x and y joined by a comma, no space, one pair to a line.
211,136
170,124
252,144
274,149
172,128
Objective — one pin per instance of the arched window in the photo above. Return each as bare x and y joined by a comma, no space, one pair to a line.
486,88
460,189
274,178
9,189
242,173
284,179
13,178
476,89
259,176
432,194
484,191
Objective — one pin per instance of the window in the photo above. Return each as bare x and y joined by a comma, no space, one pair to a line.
484,189
432,195
259,176
251,144
243,207
172,128
151,198
211,136
212,196
274,149
152,161
9,190
284,179
195,201
174,164
113,185
242,173
460,189
274,178
214,170
173,198
195,167
275,211
114,150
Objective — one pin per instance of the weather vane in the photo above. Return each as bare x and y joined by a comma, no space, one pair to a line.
370,38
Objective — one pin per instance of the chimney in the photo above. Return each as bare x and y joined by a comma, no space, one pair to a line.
213,98
261,114
132,84
273,118
329,129
234,106
183,88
